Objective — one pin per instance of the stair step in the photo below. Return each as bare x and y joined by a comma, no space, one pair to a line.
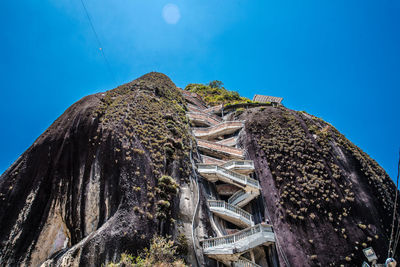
223,128
231,213
214,172
219,151
222,248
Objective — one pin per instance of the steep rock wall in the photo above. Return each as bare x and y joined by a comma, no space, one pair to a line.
326,198
96,182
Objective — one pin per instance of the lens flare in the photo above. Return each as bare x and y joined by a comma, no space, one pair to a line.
171,13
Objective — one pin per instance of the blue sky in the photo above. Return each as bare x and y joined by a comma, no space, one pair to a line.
339,60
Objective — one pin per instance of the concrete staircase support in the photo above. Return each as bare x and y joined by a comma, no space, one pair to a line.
241,198
214,173
231,213
241,166
228,141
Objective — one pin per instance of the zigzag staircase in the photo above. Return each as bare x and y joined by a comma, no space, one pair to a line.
224,165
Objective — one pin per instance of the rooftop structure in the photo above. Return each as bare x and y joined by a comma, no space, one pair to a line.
266,98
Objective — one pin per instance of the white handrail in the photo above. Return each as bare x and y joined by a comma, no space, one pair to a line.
227,206
246,163
237,195
230,174
243,262
229,239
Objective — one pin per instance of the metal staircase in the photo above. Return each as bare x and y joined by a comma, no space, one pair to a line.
224,165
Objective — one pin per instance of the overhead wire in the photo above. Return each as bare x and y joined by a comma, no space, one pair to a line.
99,43
391,250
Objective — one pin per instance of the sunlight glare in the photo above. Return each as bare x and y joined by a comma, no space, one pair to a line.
171,13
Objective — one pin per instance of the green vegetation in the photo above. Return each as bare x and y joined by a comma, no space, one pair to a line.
167,189
182,244
162,253
149,121
168,186
239,111
238,102
362,226
214,93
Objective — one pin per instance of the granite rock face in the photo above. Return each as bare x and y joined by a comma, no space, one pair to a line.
97,182
326,198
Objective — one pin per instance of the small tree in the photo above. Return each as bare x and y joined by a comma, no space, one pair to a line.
215,84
